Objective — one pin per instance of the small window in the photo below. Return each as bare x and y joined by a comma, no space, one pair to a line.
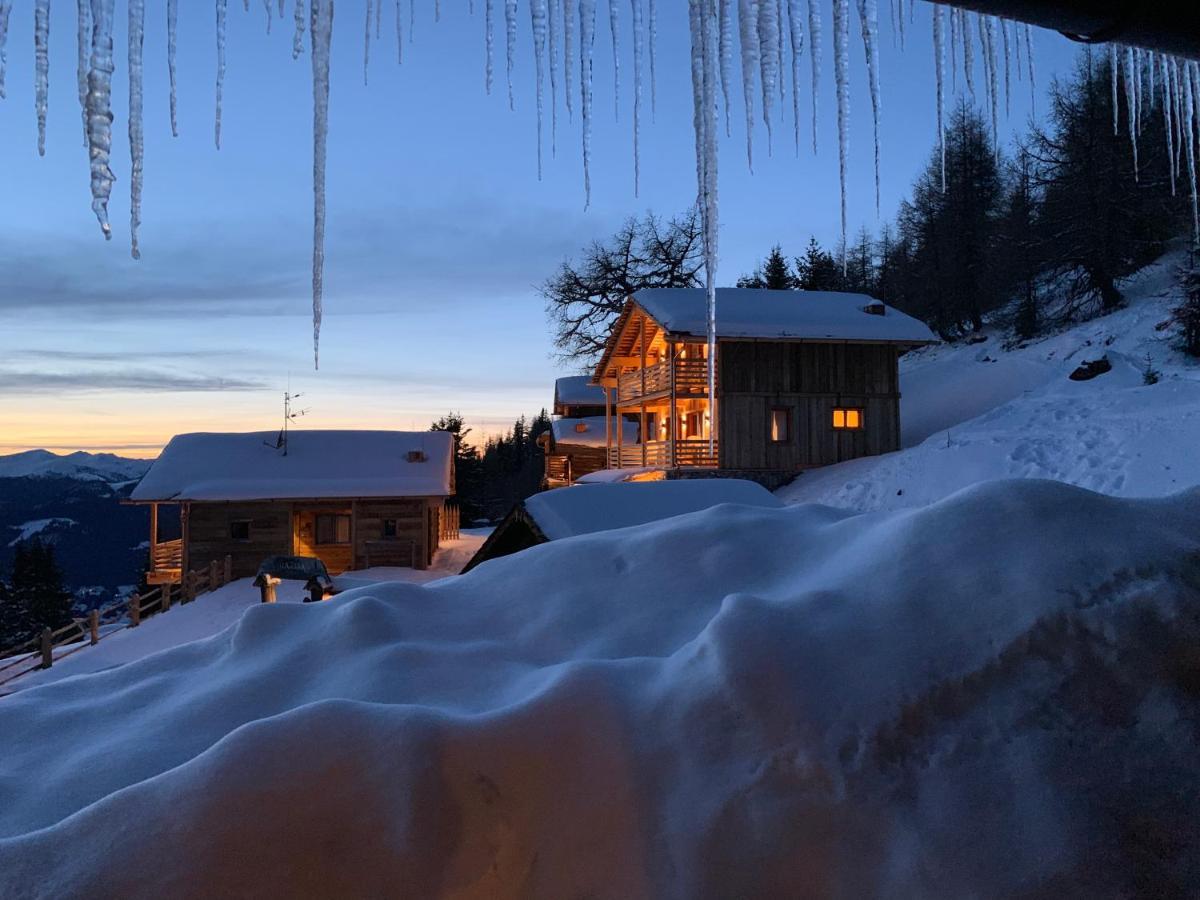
847,419
239,530
781,425
333,528
390,528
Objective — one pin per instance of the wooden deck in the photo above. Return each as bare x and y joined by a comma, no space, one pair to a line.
688,453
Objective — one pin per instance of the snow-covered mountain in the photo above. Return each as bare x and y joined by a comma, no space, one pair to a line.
106,467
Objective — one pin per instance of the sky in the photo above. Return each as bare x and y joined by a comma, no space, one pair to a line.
439,229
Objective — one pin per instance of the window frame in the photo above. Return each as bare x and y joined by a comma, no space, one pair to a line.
234,523
845,411
787,425
390,529
336,517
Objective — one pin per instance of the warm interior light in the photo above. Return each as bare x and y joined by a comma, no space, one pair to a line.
847,418
839,418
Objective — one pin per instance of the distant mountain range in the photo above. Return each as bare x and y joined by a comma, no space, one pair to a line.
73,501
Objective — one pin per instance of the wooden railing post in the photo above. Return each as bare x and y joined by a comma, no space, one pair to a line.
214,575
94,626
166,597
135,609
47,648
228,568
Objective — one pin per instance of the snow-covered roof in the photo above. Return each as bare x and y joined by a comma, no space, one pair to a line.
207,466
566,431
753,313
577,390
589,508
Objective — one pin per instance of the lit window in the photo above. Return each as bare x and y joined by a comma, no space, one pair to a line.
333,529
847,418
781,421
240,530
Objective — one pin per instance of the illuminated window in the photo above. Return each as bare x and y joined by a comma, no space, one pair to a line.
333,528
781,425
847,418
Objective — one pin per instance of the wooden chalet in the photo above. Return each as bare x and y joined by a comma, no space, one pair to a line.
576,444
803,379
353,499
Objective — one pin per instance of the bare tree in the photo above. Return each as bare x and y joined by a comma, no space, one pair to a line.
584,298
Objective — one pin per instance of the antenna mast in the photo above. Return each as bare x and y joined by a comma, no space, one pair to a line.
281,442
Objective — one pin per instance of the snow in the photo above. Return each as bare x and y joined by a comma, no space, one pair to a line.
566,431
81,465
210,614
590,508
630,713
246,466
974,412
34,527
750,313
577,390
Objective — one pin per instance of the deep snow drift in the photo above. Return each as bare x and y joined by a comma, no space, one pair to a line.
993,694
972,412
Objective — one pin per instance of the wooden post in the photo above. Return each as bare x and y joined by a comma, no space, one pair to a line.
672,414
153,535
94,625
607,427
620,426
166,597
47,646
228,568
214,575
135,609
642,419
266,588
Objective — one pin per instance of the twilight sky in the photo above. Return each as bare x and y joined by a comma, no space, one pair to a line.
438,228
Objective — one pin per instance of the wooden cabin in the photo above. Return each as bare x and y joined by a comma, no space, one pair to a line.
589,508
576,444
803,379
353,499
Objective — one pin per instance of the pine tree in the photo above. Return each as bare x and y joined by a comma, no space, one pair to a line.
14,620
1187,314
774,274
1020,248
817,270
37,586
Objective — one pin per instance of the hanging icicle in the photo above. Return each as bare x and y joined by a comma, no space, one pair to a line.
796,38
320,37
1189,120
300,15
367,41
939,66
554,17
510,32
172,42
968,49
41,43
399,33
779,54
653,10
868,15
954,32
748,37
635,10
841,69
537,17
725,56
83,36
900,17
1112,73
1168,103
222,15
378,16
587,41
614,30
1032,73
768,38
988,26
489,40
1131,107
814,44
5,11
137,28
570,23
99,99
267,4
1007,69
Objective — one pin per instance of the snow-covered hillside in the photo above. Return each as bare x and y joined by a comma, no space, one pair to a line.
85,466
992,695
972,412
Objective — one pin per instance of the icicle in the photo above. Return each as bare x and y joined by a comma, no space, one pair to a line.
5,10
1168,103
954,32
796,35
968,49
868,16
1029,59
222,10
768,37
570,23
172,41
900,12
939,65
378,16
1017,47
510,31
137,28
282,9
267,5
298,33
412,19
1131,107
1116,106
320,34
399,34
100,111
841,69
437,11
1176,76
83,34
988,25
1189,118
779,54
489,31
1151,75
1137,88
367,41
814,42
1007,69
635,10
41,41
748,32
553,11
653,10
537,20
725,55
587,40
614,30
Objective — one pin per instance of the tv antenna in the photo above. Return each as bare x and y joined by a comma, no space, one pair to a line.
281,442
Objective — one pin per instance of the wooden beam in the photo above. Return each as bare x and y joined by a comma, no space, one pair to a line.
671,420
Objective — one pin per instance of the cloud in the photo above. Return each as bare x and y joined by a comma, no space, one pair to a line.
90,381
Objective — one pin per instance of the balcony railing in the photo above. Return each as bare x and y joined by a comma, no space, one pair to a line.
691,452
691,379
167,555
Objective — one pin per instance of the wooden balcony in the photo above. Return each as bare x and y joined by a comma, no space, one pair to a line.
689,453
166,563
691,380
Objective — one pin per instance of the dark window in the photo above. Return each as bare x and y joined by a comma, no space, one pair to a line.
781,425
389,528
333,528
240,530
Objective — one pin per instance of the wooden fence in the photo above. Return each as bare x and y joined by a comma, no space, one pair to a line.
39,652
449,523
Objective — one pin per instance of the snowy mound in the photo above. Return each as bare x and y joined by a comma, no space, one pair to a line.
995,694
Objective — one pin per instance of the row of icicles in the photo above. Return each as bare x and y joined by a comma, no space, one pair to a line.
769,35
